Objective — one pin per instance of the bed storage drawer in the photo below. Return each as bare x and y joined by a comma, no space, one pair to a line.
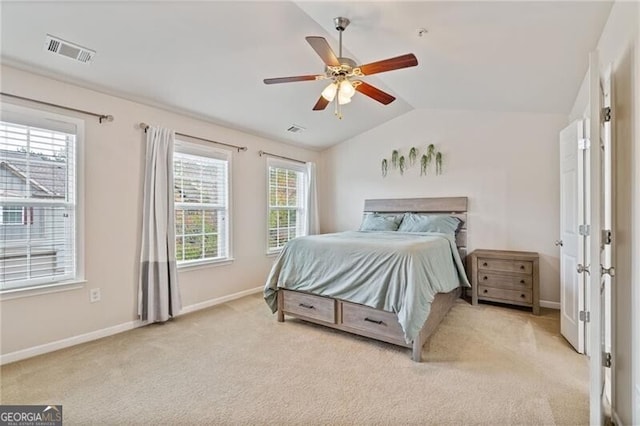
309,305
364,318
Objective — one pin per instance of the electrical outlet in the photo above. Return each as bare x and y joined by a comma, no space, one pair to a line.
94,295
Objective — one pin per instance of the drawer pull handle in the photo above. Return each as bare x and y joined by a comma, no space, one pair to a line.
521,266
486,291
521,281
304,305
523,296
485,264
485,278
374,321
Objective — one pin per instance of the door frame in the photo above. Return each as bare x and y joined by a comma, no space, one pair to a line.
596,415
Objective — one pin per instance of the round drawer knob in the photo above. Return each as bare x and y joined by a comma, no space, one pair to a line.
521,266
521,281
523,296
485,291
485,278
485,264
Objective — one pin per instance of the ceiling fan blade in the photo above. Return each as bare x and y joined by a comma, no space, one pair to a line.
323,50
375,93
321,104
290,79
403,61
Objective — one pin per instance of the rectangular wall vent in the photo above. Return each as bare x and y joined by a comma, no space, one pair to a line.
70,50
296,129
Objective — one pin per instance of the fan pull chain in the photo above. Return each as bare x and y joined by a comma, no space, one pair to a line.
338,111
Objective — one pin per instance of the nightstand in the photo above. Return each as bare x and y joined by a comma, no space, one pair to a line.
502,276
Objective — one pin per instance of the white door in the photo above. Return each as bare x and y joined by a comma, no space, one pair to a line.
572,244
595,299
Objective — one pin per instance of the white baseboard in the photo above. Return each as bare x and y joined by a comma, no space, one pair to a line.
212,302
109,331
550,305
65,343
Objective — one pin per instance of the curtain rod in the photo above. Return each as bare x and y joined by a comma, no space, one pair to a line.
145,126
101,117
261,153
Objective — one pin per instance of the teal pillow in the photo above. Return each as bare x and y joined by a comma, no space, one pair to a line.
377,222
430,223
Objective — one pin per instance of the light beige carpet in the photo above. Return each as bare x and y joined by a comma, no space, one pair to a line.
234,363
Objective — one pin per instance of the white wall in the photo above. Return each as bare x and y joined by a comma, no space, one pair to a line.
114,161
618,46
506,163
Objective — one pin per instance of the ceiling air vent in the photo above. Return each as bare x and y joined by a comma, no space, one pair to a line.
70,50
296,129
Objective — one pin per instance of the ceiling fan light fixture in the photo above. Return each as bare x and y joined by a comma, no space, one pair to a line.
346,88
343,99
330,92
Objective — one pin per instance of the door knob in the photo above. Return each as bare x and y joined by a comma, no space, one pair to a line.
582,269
559,243
609,271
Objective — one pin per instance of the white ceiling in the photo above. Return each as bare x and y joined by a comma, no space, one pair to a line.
209,58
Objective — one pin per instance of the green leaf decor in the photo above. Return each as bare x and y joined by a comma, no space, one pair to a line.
394,158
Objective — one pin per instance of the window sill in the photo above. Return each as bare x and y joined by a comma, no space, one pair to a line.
274,253
18,293
205,264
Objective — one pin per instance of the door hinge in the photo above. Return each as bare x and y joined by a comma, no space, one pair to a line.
606,114
584,144
606,359
606,236
585,316
584,230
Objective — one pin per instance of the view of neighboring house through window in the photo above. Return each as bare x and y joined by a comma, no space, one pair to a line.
201,176
37,201
287,202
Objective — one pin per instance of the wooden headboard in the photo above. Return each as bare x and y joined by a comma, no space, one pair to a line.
451,206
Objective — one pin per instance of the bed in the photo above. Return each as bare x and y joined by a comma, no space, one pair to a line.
389,285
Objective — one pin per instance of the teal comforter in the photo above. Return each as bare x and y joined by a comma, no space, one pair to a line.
394,271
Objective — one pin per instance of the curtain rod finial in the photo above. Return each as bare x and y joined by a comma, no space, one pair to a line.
105,118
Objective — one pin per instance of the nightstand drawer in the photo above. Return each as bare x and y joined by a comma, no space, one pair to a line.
513,282
309,305
521,266
521,296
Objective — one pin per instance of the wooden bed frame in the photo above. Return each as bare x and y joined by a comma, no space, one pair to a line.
375,323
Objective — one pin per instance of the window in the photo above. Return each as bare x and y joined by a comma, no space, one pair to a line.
38,202
287,203
201,191
13,215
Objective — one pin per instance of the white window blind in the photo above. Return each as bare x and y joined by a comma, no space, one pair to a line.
201,192
38,203
287,203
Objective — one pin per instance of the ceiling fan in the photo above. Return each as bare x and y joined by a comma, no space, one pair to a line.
344,73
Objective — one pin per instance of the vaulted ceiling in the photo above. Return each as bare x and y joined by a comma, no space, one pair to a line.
208,59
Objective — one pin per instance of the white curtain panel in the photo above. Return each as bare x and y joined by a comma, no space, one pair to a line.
313,223
158,292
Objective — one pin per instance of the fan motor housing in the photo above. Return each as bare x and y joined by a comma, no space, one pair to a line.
345,69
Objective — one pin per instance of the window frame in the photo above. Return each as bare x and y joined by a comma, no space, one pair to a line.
28,116
183,145
303,209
